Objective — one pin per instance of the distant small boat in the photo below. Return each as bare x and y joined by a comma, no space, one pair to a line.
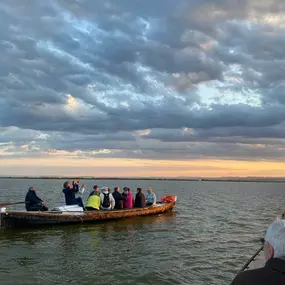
72,215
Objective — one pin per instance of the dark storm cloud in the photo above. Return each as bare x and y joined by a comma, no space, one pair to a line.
86,75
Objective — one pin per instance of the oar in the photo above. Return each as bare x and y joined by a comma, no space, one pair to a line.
11,203
251,259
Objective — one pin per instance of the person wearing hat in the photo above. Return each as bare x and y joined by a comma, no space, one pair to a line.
273,273
69,193
107,199
33,202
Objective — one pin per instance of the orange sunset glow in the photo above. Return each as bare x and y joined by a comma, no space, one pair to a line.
142,168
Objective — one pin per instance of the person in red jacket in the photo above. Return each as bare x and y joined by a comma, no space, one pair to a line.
273,273
129,200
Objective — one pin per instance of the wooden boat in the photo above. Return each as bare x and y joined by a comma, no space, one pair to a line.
29,219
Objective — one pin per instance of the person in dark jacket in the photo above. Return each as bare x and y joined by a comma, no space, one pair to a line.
273,273
95,191
33,202
69,193
140,199
119,198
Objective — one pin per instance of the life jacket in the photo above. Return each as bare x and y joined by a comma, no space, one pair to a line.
94,202
106,201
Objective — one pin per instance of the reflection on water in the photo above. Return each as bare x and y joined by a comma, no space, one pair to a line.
214,229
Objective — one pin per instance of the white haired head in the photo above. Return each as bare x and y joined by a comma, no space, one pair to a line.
275,236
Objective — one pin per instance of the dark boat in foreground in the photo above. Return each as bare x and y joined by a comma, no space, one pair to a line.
29,219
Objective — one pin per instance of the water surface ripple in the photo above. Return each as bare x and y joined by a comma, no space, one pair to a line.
215,228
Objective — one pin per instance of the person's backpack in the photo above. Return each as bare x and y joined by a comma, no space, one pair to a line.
106,201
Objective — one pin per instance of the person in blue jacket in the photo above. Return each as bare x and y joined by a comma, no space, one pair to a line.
69,193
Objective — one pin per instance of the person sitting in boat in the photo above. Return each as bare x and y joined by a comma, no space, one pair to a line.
119,198
107,199
33,202
95,191
75,186
150,197
140,199
129,201
69,194
274,252
81,191
93,203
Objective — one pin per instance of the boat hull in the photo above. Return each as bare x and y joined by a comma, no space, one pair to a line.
30,219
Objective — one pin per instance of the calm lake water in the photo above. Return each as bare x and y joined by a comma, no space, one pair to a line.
214,229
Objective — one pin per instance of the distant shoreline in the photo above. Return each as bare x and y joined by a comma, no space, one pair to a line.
269,180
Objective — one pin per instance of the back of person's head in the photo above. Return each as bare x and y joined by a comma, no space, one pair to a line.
66,184
139,189
275,236
116,188
125,188
103,189
95,187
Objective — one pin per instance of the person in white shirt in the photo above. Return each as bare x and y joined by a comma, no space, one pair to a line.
107,199
81,191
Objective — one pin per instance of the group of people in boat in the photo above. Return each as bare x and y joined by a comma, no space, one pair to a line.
98,199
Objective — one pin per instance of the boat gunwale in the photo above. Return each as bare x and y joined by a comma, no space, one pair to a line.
251,259
92,213
22,219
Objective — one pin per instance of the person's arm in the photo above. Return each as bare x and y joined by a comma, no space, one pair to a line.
154,199
75,187
112,201
122,197
34,199
83,188
39,199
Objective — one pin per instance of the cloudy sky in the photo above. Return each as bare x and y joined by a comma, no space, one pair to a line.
142,87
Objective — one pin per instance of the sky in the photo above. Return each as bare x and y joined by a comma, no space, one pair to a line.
142,88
